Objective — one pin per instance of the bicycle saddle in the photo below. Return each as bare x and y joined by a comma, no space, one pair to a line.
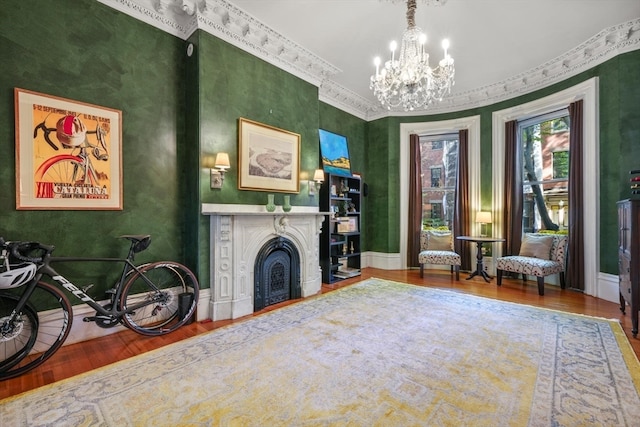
141,241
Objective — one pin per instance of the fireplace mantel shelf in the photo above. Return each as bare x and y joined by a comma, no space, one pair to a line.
258,210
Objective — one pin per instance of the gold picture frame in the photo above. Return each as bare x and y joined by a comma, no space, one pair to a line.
268,157
68,154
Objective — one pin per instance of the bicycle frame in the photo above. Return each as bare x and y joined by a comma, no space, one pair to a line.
45,269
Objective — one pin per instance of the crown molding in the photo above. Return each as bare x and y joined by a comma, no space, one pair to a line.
346,100
230,23
224,20
173,17
605,45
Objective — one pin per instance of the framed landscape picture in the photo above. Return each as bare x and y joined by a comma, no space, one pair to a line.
269,158
335,153
68,154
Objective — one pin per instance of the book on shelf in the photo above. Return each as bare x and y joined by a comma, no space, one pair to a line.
346,274
347,225
338,238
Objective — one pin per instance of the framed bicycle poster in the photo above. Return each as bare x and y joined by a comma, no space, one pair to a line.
68,154
268,157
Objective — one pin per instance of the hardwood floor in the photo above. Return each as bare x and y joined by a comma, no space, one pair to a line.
78,358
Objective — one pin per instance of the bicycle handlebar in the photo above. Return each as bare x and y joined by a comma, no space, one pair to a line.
23,250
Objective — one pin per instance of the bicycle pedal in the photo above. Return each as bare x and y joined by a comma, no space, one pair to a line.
96,318
111,291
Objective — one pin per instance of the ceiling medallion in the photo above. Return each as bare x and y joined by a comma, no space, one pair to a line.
427,2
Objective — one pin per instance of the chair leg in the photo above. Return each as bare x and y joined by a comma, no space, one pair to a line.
421,270
457,272
499,277
541,285
524,278
563,284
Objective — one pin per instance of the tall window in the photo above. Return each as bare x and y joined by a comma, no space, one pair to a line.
439,171
545,148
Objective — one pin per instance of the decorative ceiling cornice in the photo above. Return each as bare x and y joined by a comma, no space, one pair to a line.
224,20
603,46
173,17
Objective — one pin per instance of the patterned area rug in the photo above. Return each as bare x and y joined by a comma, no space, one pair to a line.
378,353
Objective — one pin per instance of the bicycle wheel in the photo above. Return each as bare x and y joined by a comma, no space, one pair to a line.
17,337
67,169
35,335
159,298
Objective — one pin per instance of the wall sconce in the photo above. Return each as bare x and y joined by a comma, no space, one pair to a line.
219,168
483,218
318,179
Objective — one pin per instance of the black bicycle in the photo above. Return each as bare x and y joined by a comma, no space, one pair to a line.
35,316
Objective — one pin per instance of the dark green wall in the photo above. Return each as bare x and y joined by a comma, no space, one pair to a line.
91,53
383,210
619,146
234,84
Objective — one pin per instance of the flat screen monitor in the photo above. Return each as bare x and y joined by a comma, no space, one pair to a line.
335,153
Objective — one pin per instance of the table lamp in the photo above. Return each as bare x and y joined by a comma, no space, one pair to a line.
483,218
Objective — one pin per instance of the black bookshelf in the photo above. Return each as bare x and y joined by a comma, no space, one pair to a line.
340,241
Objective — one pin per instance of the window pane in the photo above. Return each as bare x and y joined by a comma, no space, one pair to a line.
439,165
561,164
545,155
435,177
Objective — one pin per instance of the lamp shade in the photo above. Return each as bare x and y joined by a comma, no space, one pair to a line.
483,217
318,175
222,161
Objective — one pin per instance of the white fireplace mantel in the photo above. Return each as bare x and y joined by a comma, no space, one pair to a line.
238,232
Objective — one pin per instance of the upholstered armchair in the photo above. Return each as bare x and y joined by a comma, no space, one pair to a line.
540,255
436,247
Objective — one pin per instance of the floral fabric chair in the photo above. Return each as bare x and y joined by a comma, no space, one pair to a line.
436,247
540,255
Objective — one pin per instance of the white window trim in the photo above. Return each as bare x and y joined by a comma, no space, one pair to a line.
588,92
430,128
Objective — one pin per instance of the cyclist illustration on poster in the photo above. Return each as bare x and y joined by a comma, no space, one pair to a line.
68,154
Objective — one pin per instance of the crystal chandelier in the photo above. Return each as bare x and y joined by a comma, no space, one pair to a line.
409,82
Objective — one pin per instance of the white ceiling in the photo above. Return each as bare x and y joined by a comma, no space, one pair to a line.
491,40
502,48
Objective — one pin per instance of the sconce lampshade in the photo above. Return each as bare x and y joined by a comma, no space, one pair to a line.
222,161
483,217
318,175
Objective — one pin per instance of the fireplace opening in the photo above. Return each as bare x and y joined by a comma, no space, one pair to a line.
277,273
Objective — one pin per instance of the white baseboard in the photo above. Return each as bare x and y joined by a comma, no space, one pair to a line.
383,261
608,287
